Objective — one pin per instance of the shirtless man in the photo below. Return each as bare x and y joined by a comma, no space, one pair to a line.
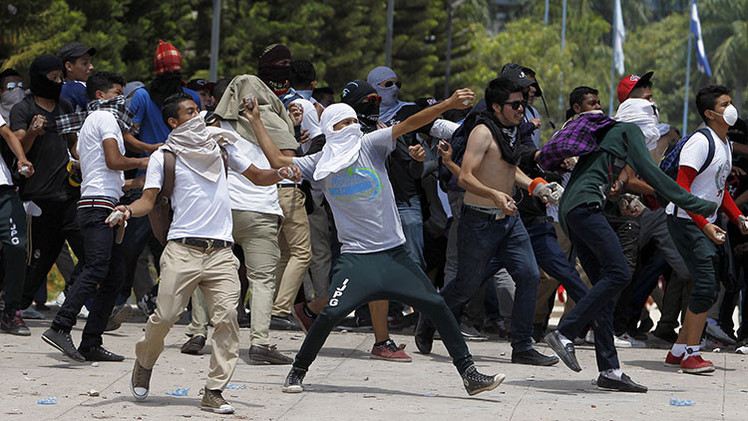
489,224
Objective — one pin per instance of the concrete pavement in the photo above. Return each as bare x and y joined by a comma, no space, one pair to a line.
345,384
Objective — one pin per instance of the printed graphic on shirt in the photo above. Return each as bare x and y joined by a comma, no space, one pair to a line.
720,177
355,183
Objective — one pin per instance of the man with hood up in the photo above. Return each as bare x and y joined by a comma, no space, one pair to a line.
374,265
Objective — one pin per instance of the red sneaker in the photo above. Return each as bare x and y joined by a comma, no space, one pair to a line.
696,365
389,352
301,318
673,361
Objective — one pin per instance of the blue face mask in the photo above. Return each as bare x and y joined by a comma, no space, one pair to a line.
389,95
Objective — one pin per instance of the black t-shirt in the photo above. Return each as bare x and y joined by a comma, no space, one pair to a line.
48,153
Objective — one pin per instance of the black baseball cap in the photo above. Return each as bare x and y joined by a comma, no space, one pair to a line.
200,85
74,50
516,73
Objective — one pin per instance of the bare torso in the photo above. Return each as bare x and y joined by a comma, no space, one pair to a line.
493,171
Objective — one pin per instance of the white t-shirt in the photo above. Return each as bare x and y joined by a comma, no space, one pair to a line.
5,177
710,184
201,209
98,179
245,195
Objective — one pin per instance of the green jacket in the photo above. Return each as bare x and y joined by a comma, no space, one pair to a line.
591,176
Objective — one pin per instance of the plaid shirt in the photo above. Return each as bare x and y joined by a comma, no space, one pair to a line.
72,123
578,137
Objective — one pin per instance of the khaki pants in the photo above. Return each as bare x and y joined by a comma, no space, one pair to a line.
200,318
183,269
295,247
257,234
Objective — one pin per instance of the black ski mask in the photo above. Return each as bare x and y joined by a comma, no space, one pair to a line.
275,75
41,86
367,112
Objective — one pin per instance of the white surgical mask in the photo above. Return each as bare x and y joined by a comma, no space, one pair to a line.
730,115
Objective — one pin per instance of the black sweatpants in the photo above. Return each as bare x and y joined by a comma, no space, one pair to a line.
386,275
13,237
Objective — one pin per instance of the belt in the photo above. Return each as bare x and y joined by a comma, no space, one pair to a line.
205,244
287,185
97,202
483,215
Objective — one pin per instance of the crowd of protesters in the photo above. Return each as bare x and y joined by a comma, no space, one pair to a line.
265,203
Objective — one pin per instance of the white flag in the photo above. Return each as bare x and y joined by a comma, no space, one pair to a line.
619,35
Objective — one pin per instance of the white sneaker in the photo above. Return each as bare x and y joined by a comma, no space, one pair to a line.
60,298
626,341
742,350
84,313
590,337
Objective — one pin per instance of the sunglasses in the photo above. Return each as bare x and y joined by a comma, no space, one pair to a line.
12,85
372,99
515,104
390,83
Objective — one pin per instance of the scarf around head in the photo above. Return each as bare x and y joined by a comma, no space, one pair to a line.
272,112
197,147
275,75
390,103
310,119
342,147
642,113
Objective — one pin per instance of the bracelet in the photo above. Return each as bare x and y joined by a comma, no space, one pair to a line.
129,209
278,172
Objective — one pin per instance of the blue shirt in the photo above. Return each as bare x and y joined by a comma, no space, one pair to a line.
75,92
148,115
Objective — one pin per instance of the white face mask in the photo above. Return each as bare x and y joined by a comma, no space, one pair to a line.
730,115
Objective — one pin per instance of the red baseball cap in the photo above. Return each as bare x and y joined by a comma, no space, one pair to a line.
628,83
167,59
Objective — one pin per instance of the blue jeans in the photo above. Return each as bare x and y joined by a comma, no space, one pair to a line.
601,256
481,239
411,218
553,260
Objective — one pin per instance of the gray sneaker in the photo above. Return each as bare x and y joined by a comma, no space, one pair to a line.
470,333
63,342
214,402
140,381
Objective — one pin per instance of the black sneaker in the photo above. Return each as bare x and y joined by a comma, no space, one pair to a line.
533,357
470,333
242,317
566,353
194,345
63,342
475,382
13,323
147,304
623,385
424,334
292,384
99,353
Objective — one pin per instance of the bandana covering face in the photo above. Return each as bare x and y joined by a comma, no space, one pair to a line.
275,75
390,104
197,147
72,123
367,113
41,86
341,147
644,114
8,99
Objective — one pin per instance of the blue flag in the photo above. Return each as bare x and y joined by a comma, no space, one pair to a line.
701,61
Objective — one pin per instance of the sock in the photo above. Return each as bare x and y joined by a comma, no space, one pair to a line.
691,351
564,340
612,373
308,311
384,342
678,350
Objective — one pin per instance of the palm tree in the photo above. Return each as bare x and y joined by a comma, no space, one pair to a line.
725,28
